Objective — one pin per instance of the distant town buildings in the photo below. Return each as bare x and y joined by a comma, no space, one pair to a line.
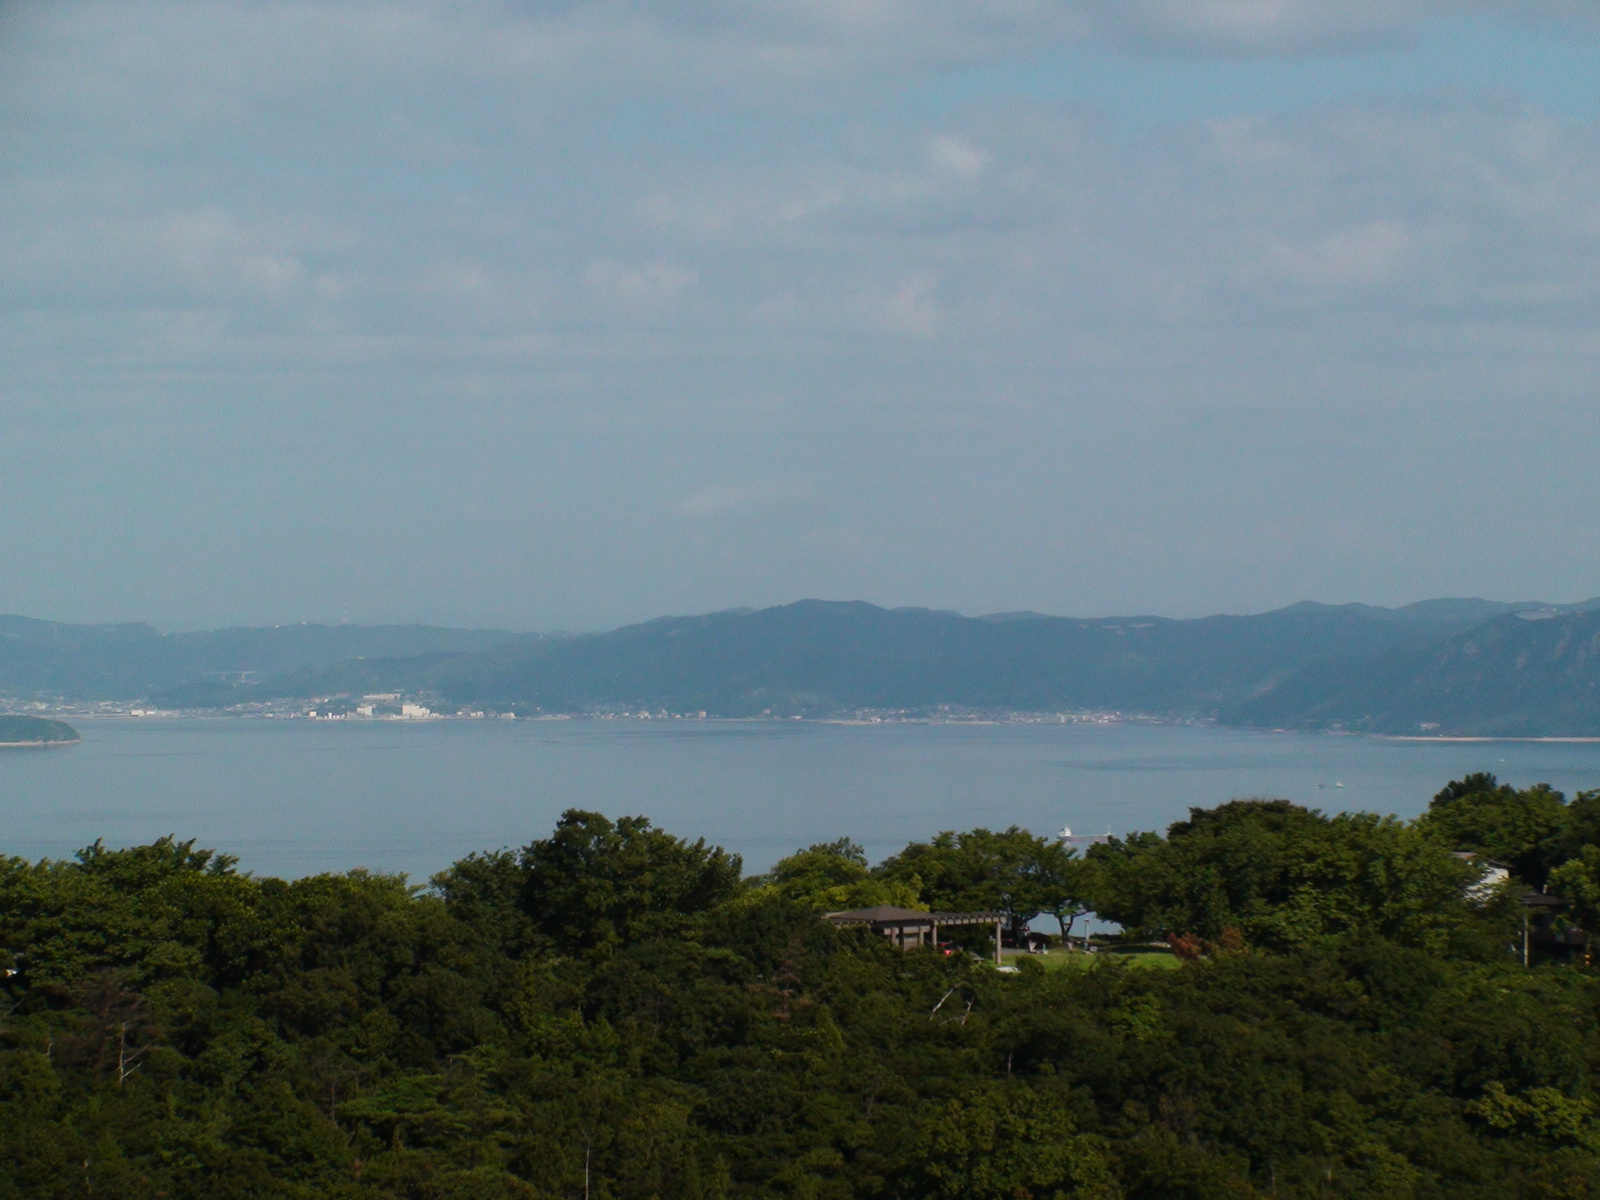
430,706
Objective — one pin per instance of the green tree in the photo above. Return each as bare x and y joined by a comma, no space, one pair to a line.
1525,829
1285,876
1010,871
1580,827
1003,1143
832,877
1578,881
596,885
171,1027
162,911
485,892
1063,884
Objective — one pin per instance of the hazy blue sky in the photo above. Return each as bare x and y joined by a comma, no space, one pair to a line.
566,314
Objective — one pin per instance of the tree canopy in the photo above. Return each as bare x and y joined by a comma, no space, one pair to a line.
1287,877
1011,871
612,1012
1531,830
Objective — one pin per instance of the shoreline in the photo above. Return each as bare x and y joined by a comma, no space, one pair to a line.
1407,737
1014,718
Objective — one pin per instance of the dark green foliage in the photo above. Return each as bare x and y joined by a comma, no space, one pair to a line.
1530,830
1286,877
595,885
994,1143
610,1013
819,869
833,877
29,731
1012,871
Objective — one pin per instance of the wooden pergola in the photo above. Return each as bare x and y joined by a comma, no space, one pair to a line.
907,928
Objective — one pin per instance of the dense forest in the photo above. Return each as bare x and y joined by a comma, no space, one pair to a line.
615,1012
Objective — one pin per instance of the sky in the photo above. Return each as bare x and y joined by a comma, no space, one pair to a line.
563,315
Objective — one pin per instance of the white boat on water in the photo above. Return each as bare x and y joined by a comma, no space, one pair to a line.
1066,835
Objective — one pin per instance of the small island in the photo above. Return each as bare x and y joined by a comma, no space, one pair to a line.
35,731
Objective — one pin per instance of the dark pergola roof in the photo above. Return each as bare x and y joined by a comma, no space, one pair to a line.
887,916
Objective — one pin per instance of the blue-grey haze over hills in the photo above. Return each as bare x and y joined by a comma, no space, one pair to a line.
1442,667
527,315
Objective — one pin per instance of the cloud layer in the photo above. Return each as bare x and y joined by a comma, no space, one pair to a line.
517,312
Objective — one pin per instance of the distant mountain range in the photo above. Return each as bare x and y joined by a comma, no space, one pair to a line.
815,658
1464,667
130,662
1524,674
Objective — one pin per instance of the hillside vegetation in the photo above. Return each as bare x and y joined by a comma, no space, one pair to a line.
1437,668
1443,666
31,731
819,658
1510,677
613,1012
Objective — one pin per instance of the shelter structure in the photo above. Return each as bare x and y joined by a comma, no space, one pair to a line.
1542,926
906,927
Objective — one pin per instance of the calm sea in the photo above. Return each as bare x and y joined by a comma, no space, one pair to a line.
296,797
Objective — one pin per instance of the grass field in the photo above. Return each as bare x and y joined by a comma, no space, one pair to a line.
1133,956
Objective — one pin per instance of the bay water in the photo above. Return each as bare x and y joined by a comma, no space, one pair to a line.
297,797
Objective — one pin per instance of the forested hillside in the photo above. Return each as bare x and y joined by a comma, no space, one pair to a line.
819,658
613,1012
34,731
1511,677
1444,666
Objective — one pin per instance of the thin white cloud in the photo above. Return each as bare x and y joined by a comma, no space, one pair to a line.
215,252
958,156
810,34
909,307
1269,26
1368,253
644,285
718,500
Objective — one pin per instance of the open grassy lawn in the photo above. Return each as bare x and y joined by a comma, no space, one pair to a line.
1133,956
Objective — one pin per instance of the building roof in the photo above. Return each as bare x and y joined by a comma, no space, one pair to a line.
878,912
888,916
